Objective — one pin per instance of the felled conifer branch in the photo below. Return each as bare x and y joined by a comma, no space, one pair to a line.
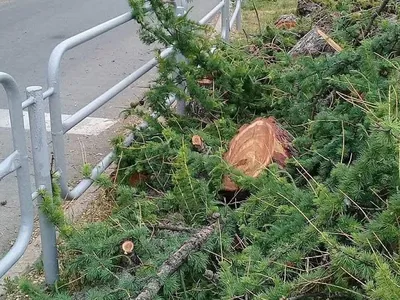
172,264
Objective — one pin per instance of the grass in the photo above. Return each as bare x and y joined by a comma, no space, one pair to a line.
262,13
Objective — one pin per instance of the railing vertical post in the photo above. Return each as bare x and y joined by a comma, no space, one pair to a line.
57,132
225,19
239,17
180,10
41,164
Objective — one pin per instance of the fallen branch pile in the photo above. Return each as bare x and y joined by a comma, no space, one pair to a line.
291,139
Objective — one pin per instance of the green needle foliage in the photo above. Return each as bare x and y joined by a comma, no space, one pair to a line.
325,227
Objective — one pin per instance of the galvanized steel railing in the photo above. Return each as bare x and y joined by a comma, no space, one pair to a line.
18,160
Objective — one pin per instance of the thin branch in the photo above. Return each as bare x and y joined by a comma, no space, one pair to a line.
375,15
172,264
258,17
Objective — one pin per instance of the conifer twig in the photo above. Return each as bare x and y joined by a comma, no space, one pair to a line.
172,264
375,15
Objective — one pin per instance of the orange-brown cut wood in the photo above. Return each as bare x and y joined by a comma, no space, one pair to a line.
255,147
127,247
197,142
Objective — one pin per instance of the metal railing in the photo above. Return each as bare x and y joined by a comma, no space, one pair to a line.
18,160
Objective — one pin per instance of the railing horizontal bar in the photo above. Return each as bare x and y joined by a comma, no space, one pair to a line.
80,115
28,102
97,171
35,195
83,37
48,93
235,13
211,14
10,164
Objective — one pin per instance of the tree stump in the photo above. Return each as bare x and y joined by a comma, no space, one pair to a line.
314,43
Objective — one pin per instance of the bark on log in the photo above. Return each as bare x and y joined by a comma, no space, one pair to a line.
172,264
314,43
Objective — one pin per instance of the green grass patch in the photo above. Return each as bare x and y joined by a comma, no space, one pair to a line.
259,14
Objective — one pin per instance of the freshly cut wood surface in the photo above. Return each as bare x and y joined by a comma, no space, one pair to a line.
255,147
198,143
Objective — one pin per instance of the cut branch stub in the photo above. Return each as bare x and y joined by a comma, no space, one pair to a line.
127,247
198,143
255,147
206,81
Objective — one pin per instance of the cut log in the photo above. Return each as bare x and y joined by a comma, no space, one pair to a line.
286,22
255,147
314,43
172,264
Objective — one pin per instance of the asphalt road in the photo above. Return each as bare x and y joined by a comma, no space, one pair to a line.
29,30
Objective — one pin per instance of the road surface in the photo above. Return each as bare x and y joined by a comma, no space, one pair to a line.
29,30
